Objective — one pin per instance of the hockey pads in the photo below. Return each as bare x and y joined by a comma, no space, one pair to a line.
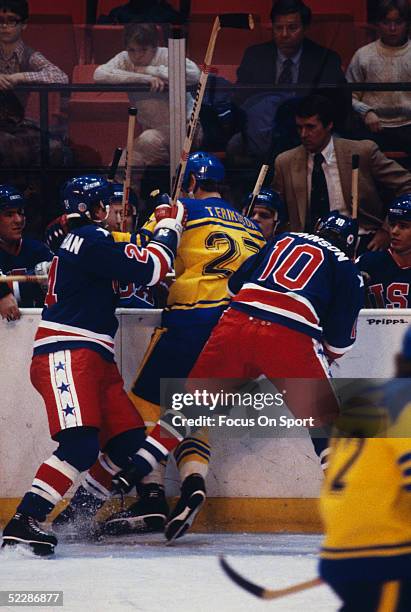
55,233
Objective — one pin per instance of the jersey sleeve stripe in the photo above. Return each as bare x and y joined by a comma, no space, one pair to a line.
404,458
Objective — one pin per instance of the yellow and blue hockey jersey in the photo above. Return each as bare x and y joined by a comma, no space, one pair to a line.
366,497
216,241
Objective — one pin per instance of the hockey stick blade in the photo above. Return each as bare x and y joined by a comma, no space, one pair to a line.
243,21
262,592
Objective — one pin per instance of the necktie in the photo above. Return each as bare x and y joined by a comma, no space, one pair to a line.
319,201
286,75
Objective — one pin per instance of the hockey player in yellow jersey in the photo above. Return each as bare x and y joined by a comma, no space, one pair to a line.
366,498
217,240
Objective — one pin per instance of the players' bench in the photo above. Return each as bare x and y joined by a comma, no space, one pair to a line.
97,121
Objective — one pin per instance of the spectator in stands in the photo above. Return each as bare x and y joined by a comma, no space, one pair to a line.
315,177
290,57
387,274
19,64
385,115
18,255
145,63
143,11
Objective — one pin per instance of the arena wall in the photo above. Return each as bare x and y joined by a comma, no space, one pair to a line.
255,483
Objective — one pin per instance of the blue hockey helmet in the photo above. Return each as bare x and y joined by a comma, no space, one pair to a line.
79,195
269,199
10,198
117,196
400,209
340,230
204,167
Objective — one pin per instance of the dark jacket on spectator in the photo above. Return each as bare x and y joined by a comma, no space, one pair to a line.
143,11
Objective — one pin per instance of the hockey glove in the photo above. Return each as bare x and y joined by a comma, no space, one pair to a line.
55,233
42,269
172,217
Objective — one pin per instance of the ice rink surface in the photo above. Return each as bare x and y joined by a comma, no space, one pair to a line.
141,573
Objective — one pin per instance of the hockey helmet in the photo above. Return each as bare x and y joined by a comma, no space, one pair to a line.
340,230
269,199
79,195
117,197
204,167
10,198
400,209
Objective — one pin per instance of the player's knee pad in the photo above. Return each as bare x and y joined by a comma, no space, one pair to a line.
123,446
79,446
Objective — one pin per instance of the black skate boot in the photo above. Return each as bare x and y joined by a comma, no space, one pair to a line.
148,514
23,529
193,495
77,519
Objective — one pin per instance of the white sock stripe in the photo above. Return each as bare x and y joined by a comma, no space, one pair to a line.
148,457
48,489
108,465
44,495
95,487
62,466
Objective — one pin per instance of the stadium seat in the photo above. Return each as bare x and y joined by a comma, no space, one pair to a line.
337,32
257,7
97,121
105,6
230,45
76,9
106,42
53,35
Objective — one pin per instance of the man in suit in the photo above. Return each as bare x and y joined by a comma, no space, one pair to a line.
315,177
289,58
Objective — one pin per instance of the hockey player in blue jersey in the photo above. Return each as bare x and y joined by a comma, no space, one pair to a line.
294,309
73,365
388,273
18,255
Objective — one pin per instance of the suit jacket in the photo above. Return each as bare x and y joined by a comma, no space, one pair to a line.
318,65
378,177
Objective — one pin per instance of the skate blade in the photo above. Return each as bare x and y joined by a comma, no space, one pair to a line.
180,524
143,524
40,550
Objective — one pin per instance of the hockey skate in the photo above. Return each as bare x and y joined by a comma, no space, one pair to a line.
148,514
193,495
25,530
77,520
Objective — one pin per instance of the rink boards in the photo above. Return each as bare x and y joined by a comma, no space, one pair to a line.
254,484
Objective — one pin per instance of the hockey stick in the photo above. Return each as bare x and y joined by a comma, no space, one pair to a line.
228,20
29,278
257,188
262,592
355,162
132,114
114,164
